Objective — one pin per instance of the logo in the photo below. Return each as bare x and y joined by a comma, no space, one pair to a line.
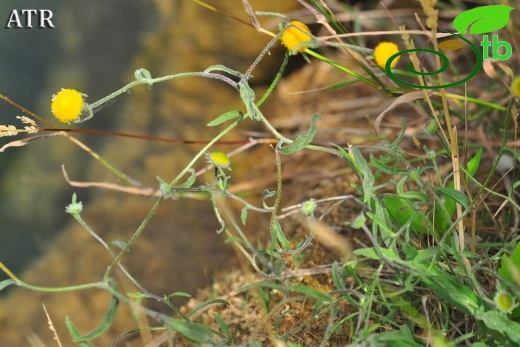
24,19
480,21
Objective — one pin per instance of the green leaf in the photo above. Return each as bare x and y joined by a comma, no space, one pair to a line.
266,194
410,251
350,159
225,117
444,211
224,327
381,218
248,98
498,322
190,181
410,194
372,253
473,164
312,292
142,74
508,265
103,326
137,295
426,254
515,185
6,283
449,288
302,140
280,236
366,173
119,244
337,277
482,19
165,188
402,212
456,195
208,303
359,222
181,294
243,215
220,67
192,331
75,333
401,338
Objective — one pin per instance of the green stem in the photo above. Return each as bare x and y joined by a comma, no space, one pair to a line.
342,68
203,150
151,81
134,237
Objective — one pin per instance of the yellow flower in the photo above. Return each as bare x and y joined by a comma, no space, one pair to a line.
219,159
383,51
296,34
67,105
515,87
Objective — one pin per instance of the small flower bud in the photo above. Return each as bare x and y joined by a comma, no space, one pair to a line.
308,207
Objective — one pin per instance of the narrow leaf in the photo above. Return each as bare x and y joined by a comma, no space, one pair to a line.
280,236
243,215
225,117
371,253
75,334
105,323
191,180
365,172
223,326
336,277
119,244
222,68
456,195
208,303
6,283
302,140
313,293
403,99
474,162
248,98
192,331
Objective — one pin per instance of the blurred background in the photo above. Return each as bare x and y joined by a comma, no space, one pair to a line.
90,48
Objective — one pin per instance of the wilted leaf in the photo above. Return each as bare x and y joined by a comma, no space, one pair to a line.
451,45
403,99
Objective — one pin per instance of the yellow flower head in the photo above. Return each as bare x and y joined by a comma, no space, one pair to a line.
219,159
383,51
515,87
67,105
296,34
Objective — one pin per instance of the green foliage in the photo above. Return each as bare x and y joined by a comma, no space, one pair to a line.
102,327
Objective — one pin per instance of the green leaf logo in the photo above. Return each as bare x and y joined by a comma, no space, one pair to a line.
482,19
